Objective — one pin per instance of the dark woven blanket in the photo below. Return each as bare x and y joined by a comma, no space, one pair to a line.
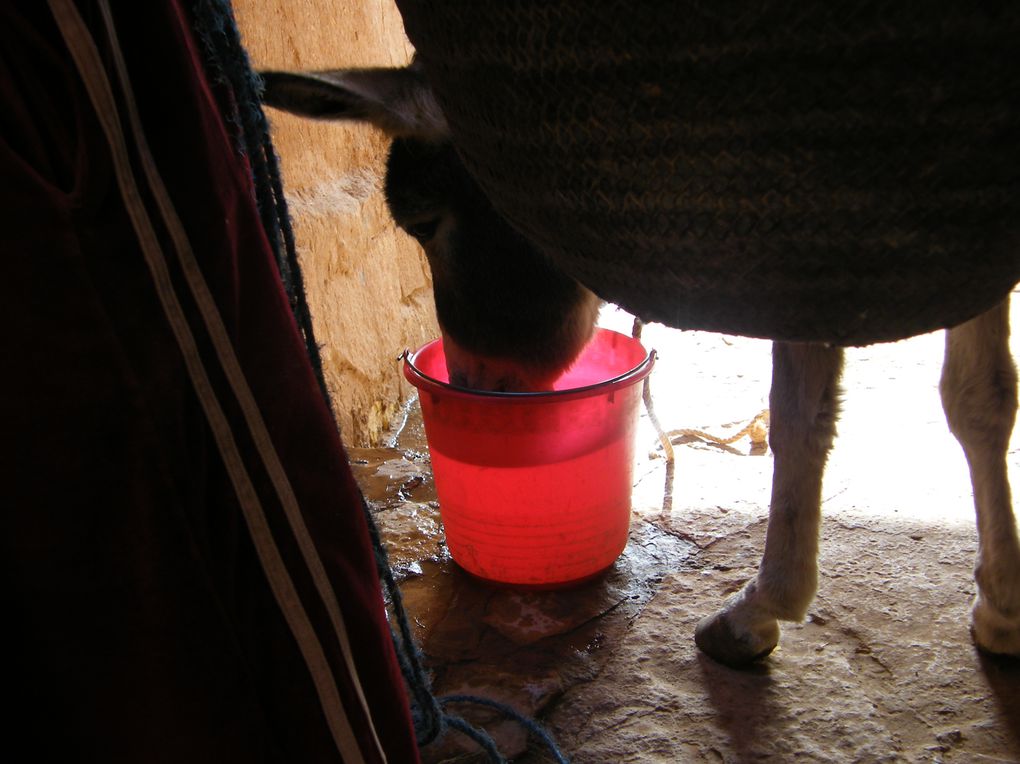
836,171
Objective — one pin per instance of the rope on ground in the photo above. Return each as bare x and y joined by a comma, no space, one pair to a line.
757,430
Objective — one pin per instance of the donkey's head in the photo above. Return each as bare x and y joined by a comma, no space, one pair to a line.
510,320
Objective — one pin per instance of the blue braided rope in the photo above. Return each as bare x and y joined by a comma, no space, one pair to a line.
229,66
528,723
478,735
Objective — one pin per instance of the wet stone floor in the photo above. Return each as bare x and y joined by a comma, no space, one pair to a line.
882,670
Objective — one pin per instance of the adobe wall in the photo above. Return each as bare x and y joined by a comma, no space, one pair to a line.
367,283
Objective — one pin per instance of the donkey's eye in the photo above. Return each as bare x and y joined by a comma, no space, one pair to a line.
424,230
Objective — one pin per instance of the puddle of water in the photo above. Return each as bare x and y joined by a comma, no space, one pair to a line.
397,482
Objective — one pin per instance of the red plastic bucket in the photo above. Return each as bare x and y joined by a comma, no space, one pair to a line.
534,488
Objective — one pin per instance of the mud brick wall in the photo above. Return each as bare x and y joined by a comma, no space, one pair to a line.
367,283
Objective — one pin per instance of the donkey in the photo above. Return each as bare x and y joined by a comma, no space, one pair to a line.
495,340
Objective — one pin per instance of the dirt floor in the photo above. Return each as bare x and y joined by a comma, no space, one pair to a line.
883,668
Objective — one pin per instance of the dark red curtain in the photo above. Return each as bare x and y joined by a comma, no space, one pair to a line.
142,624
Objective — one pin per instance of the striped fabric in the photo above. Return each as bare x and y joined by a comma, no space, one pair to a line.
190,571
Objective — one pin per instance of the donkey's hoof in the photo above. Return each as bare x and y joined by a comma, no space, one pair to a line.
716,637
994,632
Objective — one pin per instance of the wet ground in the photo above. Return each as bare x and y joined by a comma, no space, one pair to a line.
882,669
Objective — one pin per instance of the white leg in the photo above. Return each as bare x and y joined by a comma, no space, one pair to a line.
803,407
979,395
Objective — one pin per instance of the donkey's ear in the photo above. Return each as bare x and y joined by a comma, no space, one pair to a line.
399,101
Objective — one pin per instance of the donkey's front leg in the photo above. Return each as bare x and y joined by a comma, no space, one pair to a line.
979,394
804,407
